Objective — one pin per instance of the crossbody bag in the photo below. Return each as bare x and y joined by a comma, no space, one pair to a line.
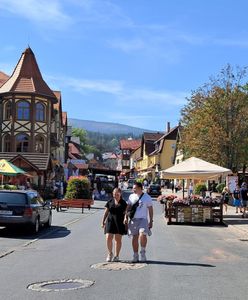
132,209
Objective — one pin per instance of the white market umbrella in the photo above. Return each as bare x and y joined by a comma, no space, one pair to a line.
195,168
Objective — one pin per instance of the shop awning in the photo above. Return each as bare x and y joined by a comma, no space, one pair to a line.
195,168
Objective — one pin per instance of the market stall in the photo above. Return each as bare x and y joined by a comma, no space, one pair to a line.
195,208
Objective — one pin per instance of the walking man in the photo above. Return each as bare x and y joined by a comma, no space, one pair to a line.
138,226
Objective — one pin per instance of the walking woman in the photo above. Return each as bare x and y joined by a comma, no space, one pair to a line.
225,196
113,224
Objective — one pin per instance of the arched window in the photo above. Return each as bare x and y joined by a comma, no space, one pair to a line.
39,112
23,110
6,145
39,144
8,108
22,142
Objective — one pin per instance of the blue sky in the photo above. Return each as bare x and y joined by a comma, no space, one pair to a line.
125,61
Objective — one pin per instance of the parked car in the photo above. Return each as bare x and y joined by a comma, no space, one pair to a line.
130,183
24,208
125,194
154,190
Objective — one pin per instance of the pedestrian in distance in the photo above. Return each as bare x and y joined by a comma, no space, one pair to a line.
103,194
236,199
138,225
191,188
244,198
113,224
225,198
172,186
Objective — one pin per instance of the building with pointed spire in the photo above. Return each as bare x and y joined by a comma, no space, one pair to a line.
32,124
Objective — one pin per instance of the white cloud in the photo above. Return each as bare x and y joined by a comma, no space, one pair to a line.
120,91
42,12
83,86
101,12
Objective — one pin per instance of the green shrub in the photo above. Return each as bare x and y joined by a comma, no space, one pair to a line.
78,188
220,187
9,187
141,180
199,188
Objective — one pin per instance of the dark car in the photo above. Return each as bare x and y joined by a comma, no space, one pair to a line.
125,194
130,183
154,190
24,208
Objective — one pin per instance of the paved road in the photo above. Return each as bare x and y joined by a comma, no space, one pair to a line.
186,262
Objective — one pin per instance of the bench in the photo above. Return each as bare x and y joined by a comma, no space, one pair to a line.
74,203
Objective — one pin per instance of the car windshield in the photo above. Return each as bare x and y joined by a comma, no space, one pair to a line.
13,198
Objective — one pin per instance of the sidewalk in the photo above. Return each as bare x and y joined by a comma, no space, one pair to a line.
236,220
231,218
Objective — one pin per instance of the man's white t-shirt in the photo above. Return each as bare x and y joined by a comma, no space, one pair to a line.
144,203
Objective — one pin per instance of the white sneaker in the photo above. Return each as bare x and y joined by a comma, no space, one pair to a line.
109,257
116,258
135,258
143,256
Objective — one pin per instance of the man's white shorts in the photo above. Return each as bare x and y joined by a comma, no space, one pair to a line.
138,226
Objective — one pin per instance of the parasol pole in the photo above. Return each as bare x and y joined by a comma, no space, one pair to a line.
183,188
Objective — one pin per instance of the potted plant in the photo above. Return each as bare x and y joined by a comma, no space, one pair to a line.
200,189
78,188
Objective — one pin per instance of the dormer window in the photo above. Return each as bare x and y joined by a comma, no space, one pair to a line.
8,108
23,110
39,112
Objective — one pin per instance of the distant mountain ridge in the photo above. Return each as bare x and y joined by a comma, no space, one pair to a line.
106,127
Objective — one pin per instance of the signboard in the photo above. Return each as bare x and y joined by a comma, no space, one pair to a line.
232,181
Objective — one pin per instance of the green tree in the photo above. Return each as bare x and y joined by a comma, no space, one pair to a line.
83,138
215,120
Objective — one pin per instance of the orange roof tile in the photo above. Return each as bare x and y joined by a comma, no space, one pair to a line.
64,118
3,78
73,149
130,144
27,78
58,96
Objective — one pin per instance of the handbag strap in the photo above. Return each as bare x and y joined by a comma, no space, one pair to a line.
138,199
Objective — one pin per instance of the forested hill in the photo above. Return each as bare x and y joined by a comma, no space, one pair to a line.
106,127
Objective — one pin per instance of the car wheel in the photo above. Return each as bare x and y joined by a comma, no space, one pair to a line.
36,226
49,221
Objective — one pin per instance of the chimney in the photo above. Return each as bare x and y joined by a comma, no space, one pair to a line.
168,126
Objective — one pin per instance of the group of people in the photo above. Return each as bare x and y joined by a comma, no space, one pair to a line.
118,221
239,197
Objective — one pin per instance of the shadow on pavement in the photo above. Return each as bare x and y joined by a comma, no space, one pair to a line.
175,263
55,232
236,221
44,233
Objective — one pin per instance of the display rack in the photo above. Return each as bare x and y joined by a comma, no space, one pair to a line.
193,214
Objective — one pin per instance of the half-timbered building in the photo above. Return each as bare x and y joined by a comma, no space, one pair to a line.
31,130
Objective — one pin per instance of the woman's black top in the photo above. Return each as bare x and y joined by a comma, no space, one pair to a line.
114,223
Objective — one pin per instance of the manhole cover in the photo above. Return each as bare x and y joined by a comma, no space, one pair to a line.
60,285
118,266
